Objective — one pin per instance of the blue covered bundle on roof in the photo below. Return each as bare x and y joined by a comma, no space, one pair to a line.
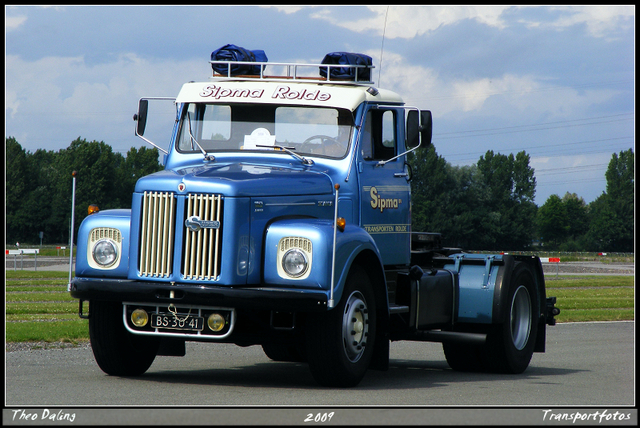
236,53
349,73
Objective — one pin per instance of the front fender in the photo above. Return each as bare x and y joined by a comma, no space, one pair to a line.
349,244
105,221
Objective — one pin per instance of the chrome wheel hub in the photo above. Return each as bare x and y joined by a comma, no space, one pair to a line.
520,317
355,326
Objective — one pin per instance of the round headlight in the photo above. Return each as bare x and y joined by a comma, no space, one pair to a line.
216,322
294,263
139,317
105,252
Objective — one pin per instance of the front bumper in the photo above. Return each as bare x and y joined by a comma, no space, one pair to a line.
260,298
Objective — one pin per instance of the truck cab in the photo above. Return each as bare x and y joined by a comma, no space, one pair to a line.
282,219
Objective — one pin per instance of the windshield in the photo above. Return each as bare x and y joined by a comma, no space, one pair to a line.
305,130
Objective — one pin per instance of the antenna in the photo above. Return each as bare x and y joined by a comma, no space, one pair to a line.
384,30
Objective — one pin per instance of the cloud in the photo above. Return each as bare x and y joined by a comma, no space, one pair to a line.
410,21
508,98
600,20
286,9
72,98
12,23
406,22
580,174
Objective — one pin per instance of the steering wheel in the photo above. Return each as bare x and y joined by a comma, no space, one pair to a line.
323,139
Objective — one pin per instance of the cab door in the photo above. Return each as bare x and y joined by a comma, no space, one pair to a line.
384,189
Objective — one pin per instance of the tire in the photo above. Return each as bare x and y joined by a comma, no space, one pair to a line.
118,352
340,341
510,343
464,358
284,353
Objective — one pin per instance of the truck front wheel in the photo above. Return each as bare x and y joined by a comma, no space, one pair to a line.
118,352
340,341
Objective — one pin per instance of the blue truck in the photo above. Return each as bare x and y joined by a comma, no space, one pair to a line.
282,219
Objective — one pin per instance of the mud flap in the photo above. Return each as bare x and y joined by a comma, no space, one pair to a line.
548,319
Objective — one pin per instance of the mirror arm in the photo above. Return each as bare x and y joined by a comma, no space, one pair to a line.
136,118
150,142
383,162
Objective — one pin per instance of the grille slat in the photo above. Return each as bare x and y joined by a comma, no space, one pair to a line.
202,247
201,252
295,242
156,235
105,232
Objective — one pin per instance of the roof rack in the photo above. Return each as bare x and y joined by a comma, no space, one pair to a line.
290,71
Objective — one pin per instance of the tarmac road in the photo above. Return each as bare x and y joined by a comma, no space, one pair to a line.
586,364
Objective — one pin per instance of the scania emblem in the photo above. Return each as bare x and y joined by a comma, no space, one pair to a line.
195,224
181,187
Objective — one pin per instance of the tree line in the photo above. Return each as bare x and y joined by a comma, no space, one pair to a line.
485,206
39,185
490,206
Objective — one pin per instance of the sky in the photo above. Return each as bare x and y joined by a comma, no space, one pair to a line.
555,82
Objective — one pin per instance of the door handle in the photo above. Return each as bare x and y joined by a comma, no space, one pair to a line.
407,173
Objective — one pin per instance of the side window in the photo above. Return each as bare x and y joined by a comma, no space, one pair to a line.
378,140
389,132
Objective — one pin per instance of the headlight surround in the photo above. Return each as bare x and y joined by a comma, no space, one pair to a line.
105,252
294,263
104,248
294,257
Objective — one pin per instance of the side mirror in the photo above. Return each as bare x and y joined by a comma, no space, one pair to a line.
141,117
427,127
415,131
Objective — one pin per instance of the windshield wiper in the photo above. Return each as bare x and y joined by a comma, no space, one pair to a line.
290,151
207,157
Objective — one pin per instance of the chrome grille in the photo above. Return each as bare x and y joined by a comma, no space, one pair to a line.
105,232
202,248
295,242
157,234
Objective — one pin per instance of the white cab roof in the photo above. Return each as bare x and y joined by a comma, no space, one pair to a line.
283,92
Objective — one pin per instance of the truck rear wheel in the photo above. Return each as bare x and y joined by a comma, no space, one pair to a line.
340,341
118,352
510,343
464,358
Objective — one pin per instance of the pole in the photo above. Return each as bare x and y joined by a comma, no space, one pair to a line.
73,203
333,262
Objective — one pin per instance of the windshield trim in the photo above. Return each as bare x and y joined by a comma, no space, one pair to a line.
345,119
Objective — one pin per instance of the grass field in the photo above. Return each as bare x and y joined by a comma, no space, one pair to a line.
39,308
593,298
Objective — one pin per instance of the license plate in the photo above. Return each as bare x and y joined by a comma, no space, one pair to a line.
181,322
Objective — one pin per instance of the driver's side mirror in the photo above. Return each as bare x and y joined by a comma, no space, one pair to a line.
415,131
141,117
141,120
